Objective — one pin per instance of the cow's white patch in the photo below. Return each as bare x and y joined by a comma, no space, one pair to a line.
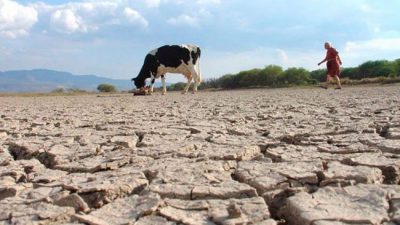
182,68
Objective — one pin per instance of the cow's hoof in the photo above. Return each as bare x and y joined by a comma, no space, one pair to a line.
163,93
183,92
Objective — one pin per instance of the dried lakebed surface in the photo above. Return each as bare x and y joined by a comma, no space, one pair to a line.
283,156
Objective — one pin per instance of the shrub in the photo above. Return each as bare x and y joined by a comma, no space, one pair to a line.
376,68
106,88
76,90
295,76
58,90
318,75
176,87
211,83
269,76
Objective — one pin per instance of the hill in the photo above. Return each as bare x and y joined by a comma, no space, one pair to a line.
43,80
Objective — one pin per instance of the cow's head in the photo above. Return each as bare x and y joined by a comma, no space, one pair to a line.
149,69
139,81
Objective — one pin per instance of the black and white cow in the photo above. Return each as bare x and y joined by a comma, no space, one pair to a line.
182,59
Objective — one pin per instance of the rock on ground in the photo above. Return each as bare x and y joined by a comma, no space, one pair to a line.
360,204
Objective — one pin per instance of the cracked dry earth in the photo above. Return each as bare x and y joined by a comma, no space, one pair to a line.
282,156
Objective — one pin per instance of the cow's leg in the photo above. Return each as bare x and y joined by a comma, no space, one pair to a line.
164,88
196,78
198,74
189,81
152,84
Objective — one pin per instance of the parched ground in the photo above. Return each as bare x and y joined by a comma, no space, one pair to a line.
282,156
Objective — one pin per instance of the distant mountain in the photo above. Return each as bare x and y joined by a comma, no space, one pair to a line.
42,80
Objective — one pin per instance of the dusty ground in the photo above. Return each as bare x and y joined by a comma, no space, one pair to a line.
294,156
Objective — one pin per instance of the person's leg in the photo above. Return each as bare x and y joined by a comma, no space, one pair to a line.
339,85
328,80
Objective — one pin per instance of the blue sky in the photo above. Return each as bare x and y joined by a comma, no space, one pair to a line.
111,37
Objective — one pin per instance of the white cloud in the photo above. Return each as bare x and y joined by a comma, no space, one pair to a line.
357,52
65,20
134,17
88,16
153,3
208,2
365,8
84,16
381,44
184,20
16,19
157,3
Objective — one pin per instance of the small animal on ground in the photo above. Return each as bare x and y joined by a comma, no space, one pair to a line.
184,59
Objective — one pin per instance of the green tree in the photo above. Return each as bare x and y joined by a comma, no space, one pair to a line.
209,83
318,75
376,69
106,88
274,76
227,81
269,75
248,78
295,76
351,72
396,66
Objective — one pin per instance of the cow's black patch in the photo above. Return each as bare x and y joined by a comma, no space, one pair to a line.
195,55
150,66
172,55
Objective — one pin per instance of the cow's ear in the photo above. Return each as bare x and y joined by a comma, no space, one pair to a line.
133,79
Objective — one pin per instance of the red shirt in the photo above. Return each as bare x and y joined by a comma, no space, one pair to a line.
331,55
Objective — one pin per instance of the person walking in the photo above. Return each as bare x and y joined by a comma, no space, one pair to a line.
333,63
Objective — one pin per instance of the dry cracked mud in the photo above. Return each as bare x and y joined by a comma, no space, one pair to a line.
283,156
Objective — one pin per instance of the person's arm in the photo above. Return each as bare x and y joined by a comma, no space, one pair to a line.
324,60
